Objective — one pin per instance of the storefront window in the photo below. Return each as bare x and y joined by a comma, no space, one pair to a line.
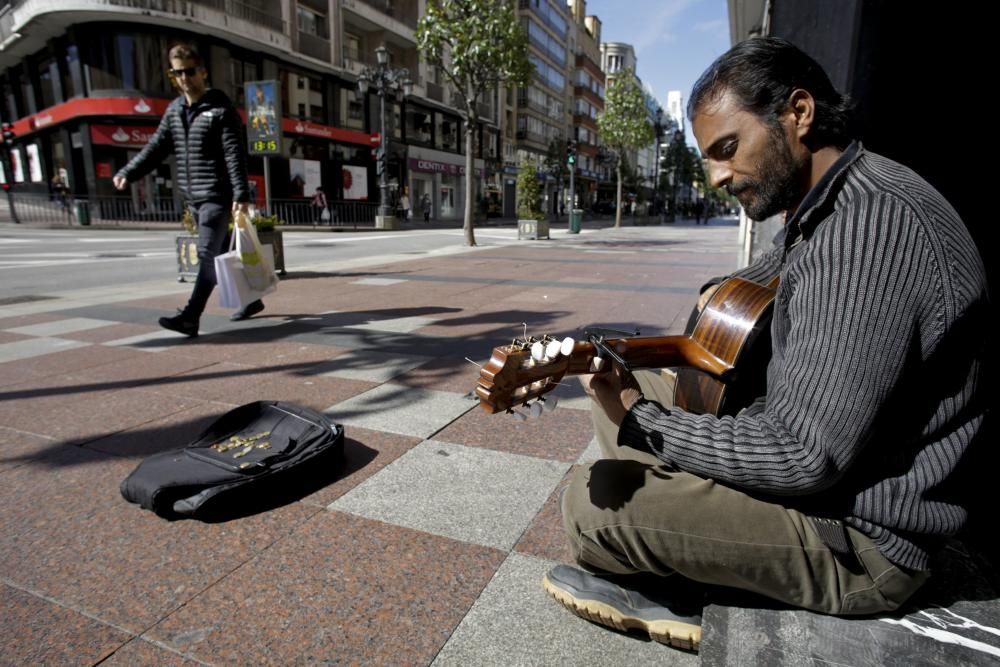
47,82
27,94
128,61
241,71
9,100
72,81
418,125
446,137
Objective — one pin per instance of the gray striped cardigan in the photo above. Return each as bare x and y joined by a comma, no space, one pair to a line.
873,390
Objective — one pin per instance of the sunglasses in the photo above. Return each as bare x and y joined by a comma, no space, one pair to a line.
184,71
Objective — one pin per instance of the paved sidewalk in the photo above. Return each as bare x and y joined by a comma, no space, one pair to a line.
428,548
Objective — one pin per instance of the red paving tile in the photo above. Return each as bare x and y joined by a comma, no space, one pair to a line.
361,590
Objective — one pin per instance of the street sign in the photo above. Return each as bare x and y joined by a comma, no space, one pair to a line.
263,117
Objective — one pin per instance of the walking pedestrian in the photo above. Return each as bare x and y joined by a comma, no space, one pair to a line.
404,204
200,127
319,204
426,204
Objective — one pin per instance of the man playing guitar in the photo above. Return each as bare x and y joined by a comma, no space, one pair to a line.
834,490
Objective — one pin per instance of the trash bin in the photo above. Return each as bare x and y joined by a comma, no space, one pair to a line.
82,209
575,220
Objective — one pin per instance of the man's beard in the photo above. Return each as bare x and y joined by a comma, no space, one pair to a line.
777,185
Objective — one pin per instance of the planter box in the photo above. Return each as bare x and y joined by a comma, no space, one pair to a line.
532,229
187,253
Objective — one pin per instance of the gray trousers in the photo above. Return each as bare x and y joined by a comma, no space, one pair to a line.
630,513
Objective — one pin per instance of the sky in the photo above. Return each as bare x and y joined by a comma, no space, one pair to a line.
674,40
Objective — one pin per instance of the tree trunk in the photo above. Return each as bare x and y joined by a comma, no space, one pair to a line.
470,129
618,205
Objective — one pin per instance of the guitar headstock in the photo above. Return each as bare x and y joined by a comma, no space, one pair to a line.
523,371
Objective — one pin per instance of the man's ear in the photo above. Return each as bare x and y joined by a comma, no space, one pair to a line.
802,107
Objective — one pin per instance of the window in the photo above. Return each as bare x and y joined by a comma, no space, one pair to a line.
301,92
312,22
351,110
352,47
48,76
240,71
418,125
72,82
446,137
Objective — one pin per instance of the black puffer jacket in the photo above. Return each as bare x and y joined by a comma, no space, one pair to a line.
211,160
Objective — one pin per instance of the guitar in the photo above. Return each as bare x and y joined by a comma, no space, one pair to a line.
720,364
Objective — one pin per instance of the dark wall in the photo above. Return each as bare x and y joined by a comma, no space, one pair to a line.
919,75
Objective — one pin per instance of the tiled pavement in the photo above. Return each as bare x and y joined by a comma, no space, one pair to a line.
427,547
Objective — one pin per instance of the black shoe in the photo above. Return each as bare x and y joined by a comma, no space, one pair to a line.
675,621
247,311
181,324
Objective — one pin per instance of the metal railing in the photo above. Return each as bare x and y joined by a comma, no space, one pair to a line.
124,211
314,46
114,210
346,213
233,8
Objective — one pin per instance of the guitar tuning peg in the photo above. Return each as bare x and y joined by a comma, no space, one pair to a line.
518,415
552,349
550,403
536,409
537,351
567,346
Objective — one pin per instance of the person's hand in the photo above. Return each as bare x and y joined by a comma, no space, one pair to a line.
120,182
615,390
241,206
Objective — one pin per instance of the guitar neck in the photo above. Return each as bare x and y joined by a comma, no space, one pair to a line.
649,352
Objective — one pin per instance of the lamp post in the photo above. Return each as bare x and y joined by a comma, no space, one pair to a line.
658,127
384,81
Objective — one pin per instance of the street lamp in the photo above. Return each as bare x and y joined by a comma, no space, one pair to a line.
384,81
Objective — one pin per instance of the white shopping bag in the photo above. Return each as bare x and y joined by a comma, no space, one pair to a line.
232,278
258,269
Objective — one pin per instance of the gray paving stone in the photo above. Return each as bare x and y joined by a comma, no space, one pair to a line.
154,341
515,622
370,365
400,409
378,281
591,453
466,493
36,347
58,327
397,325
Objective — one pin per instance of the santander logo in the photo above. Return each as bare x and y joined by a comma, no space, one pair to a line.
142,107
121,135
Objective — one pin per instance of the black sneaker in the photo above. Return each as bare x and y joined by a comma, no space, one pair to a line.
247,311
675,621
181,324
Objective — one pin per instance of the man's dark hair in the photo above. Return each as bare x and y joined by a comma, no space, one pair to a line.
185,51
762,72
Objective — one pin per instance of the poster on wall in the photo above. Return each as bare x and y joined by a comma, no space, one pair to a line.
305,176
34,164
355,182
16,167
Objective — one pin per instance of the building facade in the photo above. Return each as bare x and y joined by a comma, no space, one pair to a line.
85,87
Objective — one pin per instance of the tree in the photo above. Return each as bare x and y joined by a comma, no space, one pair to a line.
529,192
624,124
478,45
555,164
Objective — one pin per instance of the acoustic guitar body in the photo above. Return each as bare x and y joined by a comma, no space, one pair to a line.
736,327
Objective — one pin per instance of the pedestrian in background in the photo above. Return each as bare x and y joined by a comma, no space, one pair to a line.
202,129
426,202
404,204
319,204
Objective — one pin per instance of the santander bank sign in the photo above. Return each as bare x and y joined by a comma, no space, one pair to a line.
121,135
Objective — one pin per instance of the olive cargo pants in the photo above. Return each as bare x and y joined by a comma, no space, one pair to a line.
631,513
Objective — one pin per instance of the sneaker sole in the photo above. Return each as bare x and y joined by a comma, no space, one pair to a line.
673,633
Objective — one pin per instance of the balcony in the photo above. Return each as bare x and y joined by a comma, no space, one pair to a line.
314,46
27,25
397,17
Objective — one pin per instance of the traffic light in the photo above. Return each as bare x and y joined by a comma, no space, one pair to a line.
8,134
571,152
